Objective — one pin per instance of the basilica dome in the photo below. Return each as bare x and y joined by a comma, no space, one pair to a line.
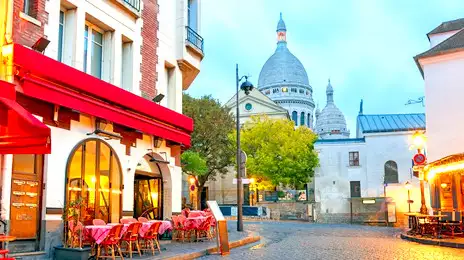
330,122
284,80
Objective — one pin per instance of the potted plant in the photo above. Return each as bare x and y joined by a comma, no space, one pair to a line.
72,247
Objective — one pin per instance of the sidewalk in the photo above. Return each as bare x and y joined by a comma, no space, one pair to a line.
178,250
456,242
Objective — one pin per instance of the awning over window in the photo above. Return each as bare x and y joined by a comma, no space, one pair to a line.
54,82
20,131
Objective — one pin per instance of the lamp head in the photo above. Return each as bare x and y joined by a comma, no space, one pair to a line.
246,86
408,185
418,140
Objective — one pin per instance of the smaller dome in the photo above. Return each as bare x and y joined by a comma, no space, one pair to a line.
331,123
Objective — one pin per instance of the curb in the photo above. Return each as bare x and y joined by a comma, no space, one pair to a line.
434,242
213,250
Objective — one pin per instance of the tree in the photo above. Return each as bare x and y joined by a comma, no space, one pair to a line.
210,138
278,152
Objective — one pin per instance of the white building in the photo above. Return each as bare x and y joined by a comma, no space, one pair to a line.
359,167
86,104
441,67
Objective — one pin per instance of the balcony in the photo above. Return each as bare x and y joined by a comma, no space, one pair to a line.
195,39
134,4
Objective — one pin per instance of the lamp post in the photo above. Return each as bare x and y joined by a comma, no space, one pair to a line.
419,144
246,87
407,185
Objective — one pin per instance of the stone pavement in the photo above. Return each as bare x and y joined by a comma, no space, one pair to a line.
302,240
173,249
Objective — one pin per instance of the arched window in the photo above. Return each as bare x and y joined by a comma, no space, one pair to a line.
391,172
302,118
309,120
295,117
94,174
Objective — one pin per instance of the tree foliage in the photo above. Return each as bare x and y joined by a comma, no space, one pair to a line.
278,152
210,138
193,163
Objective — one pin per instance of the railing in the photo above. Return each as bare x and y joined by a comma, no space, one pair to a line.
133,3
194,38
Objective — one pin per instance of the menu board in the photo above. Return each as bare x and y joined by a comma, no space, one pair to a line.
24,208
217,213
221,224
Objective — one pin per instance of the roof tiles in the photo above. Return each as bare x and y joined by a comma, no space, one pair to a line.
391,123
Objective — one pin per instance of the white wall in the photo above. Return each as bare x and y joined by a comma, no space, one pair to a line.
443,104
115,20
436,39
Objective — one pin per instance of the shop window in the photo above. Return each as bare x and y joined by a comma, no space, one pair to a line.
391,172
61,27
93,50
295,117
354,158
94,175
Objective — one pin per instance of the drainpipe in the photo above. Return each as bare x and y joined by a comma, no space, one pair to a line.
9,21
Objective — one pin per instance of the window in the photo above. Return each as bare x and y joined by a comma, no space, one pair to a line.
192,7
248,106
61,36
335,131
391,172
268,92
94,175
28,7
276,90
309,120
355,189
284,89
354,158
302,118
295,117
126,66
301,91
293,90
93,50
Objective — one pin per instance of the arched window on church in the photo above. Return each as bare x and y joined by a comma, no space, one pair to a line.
295,117
302,118
391,172
309,120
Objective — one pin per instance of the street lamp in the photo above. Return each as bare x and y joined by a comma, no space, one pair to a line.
408,186
246,87
419,140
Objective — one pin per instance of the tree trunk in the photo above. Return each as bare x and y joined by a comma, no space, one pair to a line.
199,189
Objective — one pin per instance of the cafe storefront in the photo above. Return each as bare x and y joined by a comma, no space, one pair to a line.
446,180
82,138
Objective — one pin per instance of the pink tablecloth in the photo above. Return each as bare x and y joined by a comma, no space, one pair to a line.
194,222
196,213
165,226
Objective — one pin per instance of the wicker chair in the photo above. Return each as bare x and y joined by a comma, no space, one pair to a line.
98,222
150,238
131,236
111,241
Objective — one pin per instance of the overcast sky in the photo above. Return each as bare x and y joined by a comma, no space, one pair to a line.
365,47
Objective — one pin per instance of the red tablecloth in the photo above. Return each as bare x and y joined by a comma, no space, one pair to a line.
165,226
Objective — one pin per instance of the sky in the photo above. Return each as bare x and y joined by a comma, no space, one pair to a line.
365,47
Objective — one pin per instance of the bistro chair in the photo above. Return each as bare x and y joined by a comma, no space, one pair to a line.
204,230
98,222
124,221
111,241
142,219
131,236
150,238
132,220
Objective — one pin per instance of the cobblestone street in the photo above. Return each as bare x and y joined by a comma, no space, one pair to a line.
297,240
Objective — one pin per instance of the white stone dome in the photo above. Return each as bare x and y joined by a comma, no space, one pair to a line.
331,123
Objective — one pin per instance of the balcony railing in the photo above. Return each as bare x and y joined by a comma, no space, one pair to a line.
194,38
134,4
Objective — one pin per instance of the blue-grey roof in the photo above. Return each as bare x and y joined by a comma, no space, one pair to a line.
341,140
281,24
391,123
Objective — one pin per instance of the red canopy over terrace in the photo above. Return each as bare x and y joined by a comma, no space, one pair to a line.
20,131
51,81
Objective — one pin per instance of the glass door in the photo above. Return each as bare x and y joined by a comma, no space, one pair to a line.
148,197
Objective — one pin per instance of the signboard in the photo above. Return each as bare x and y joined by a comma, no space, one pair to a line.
221,228
419,159
391,207
244,181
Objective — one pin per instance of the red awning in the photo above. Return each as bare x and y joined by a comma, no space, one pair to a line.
54,82
20,132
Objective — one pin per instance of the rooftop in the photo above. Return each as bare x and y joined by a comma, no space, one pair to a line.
341,140
448,26
391,123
